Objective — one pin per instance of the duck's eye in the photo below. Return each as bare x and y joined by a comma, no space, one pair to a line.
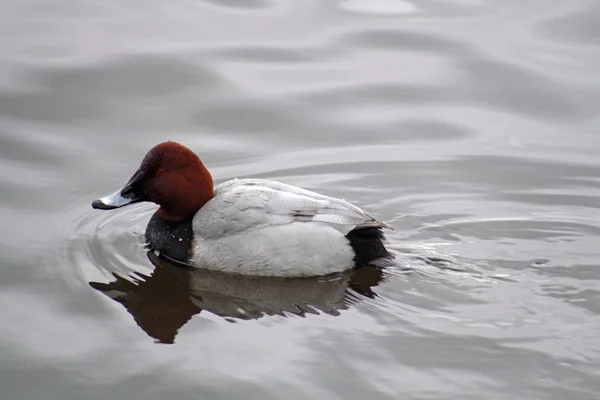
160,172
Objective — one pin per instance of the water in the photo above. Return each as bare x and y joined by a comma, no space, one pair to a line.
471,127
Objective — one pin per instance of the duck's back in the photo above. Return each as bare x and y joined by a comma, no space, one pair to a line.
241,204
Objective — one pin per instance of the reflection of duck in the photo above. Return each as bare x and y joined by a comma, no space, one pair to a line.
246,226
164,301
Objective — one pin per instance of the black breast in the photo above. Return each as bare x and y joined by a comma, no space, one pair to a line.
172,238
367,244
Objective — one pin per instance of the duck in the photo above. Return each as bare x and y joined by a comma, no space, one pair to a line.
246,226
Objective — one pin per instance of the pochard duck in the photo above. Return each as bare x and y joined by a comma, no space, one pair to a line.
246,226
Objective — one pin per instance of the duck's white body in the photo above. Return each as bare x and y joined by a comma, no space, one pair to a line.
262,227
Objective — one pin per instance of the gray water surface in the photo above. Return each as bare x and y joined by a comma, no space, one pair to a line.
469,126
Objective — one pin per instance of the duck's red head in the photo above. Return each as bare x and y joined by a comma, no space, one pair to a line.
170,175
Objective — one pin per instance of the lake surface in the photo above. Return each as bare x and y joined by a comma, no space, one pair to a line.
469,126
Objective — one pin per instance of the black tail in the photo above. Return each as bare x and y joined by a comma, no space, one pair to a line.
367,244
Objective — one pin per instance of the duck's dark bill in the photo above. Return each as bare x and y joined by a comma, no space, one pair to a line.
111,202
131,193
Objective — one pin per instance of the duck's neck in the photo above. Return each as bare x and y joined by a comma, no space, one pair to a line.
170,216
193,190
